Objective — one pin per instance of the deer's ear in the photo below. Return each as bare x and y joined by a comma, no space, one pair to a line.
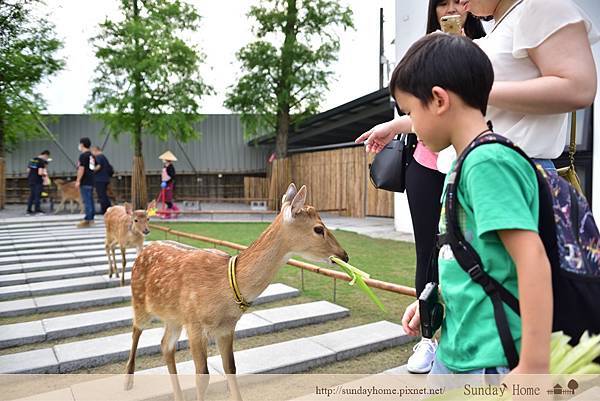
299,199
289,194
128,208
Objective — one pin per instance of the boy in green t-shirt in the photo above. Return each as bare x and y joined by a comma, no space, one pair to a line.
443,83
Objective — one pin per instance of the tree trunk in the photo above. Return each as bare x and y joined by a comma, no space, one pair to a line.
139,193
285,86
283,128
2,162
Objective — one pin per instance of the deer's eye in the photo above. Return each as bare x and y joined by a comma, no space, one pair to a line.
319,230
135,220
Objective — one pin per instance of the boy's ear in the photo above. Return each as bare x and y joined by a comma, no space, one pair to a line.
441,99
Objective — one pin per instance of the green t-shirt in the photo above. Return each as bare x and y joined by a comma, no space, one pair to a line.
497,191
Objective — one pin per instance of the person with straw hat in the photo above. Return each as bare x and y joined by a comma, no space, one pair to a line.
168,179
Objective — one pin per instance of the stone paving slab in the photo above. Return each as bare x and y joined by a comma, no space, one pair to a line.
38,361
41,241
100,351
51,234
58,274
58,264
301,354
91,322
96,245
362,339
23,259
18,307
47,246
43,229
12,335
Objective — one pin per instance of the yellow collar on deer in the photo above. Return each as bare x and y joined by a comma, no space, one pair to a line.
237,295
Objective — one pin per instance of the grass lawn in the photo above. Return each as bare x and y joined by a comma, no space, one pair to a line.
385,260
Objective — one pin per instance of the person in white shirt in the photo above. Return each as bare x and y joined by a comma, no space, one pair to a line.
544,68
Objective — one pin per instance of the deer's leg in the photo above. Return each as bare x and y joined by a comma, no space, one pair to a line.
61,206
124,261
114,260
225,344
137,332
199,347
107,249
168,346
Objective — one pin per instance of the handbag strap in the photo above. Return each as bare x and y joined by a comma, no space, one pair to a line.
573,141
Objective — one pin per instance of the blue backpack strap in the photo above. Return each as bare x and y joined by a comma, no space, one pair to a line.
467,257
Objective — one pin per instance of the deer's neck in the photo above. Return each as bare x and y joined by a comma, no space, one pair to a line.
258,264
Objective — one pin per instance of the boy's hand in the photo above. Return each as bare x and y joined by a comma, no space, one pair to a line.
380,135
411,321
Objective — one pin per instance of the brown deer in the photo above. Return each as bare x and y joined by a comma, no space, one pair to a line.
125,228
67,191
207,292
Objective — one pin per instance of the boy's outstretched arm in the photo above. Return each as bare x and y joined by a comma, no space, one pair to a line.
535,298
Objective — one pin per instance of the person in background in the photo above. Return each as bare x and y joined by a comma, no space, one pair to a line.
85,181
103,172
424,183
168,178
36,177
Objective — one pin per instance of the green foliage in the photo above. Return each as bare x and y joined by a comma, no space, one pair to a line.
287,69
28,47
148,75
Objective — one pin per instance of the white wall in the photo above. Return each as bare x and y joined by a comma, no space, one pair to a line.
411,20
411,17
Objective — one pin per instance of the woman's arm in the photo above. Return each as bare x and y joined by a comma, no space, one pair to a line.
380,135
568,80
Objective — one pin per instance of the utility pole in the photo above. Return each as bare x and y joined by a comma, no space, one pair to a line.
381,54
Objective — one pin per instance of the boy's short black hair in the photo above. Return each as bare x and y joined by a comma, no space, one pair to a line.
85,142
45,152
451,62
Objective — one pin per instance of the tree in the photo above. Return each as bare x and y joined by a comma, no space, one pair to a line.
28,47
147,80
287,67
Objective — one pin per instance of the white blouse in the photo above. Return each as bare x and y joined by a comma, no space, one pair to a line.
526,26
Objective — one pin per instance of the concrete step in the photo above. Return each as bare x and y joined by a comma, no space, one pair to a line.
96,245
82,299
10,280
74,233
35,221
100,351
91,322
48,246
88,234
64,285
58,264
66,255
46,229
305,353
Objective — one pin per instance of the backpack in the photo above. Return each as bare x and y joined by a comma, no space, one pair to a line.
572,243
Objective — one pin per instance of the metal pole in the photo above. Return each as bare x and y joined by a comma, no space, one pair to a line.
381,51
302,276
334,288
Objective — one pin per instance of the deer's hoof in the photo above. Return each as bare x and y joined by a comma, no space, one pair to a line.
128,382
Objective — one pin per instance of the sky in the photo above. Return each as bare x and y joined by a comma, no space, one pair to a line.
223,31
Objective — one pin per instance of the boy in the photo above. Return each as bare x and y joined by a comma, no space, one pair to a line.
443,83
102,176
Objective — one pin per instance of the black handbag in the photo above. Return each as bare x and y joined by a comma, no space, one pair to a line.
388,170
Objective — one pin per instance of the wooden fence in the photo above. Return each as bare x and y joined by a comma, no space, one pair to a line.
336,179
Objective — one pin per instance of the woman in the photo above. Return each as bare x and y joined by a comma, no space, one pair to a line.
543,66
168,180
424,184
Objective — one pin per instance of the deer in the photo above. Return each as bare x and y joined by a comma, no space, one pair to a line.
126,228
68,191
207,292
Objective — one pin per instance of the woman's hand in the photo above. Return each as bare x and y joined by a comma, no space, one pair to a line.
380,135
411,321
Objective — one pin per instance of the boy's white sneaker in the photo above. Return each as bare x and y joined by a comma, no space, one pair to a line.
421,360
